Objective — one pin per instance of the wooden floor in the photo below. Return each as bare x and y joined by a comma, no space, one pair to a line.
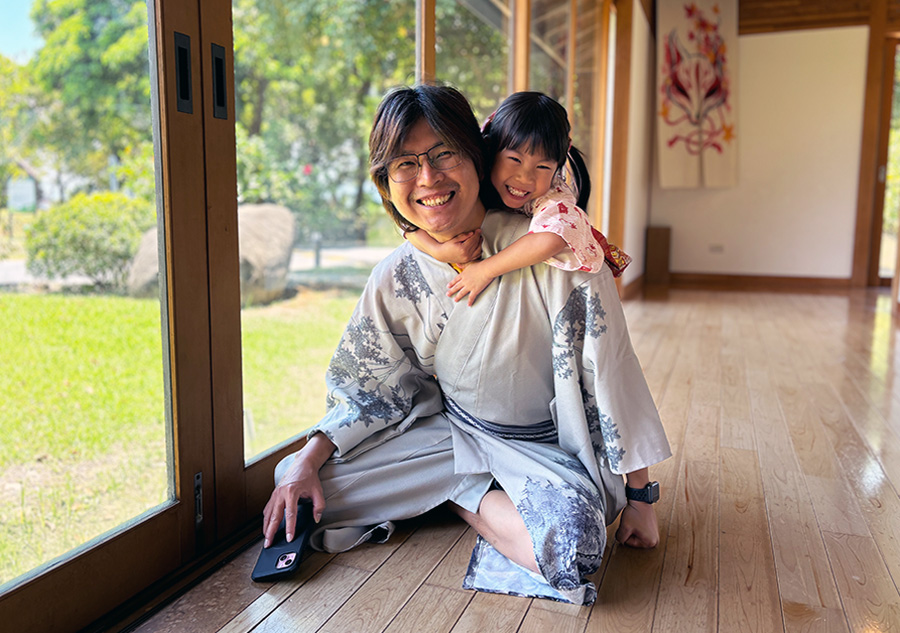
779,508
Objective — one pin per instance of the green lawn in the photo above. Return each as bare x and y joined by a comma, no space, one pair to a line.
83,424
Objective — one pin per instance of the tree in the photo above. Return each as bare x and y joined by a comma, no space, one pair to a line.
309,77
18,99
93,70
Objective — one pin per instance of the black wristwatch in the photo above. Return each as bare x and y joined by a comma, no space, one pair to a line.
647,494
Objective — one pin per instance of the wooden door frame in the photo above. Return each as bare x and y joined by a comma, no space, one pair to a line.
83,586
884,131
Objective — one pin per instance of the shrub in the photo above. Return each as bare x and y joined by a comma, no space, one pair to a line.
95,235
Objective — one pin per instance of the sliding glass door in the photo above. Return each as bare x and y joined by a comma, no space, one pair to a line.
102,379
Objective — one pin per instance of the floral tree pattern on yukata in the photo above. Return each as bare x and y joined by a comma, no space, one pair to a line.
580,318
370,373
568,521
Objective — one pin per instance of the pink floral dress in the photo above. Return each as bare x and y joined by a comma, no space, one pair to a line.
557,212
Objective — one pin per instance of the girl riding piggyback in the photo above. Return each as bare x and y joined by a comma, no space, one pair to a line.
528,137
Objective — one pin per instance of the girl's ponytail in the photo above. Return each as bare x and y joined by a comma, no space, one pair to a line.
580,175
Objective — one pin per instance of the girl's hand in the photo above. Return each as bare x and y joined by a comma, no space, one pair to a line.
470,282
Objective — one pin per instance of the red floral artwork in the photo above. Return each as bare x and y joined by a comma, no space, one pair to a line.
695,84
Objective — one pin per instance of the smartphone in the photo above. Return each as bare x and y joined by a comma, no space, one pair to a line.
281,559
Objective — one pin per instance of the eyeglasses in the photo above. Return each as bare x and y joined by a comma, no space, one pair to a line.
406,167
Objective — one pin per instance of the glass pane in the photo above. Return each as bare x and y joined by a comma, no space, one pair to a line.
472,50
82,386
888,254
309,76
549,47
581,116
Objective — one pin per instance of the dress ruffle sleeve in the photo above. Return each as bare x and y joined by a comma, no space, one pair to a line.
557,212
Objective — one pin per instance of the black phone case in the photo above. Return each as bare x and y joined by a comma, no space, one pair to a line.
281,559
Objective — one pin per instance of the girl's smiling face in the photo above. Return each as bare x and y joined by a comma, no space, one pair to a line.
520,176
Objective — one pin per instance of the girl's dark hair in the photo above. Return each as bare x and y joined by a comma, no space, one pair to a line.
448,113
532,122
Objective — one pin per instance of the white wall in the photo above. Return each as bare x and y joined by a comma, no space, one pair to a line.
799,130
640,142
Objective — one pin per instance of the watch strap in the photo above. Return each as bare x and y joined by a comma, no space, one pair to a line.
647,494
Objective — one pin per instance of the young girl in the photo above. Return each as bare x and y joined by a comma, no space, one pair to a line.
528,136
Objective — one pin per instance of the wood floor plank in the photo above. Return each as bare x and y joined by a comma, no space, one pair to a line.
703,434
835,505
689,580
869,597
736,426
315,602
748,591
377,602
488,612
213,602
433,609
277,594
872,487
805,582
802,618
543,621
881,440
811,444
451,570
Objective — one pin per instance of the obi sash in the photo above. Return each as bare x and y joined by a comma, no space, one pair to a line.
540,432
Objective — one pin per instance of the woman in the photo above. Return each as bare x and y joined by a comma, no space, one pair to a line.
527,437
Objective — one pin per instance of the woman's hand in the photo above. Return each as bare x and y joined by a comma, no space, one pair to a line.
301,481
638,526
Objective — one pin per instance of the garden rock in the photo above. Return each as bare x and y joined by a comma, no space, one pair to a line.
267,238
266,234
143,276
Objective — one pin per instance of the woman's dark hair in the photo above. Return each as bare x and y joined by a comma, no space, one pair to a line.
448,113
532,122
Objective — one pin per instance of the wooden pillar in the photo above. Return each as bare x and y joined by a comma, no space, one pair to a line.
521,43
425,57
868,162
601,103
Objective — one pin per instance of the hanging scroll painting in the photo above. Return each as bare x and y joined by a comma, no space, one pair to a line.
696,80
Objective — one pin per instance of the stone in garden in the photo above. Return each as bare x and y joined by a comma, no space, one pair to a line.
266,234
266,240
143,277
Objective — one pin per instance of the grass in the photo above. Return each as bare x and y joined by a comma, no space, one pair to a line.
83,423
286,348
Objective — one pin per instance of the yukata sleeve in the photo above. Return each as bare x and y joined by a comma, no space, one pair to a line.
557,212
605,412
381,378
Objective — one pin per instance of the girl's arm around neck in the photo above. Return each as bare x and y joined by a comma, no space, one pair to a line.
462,249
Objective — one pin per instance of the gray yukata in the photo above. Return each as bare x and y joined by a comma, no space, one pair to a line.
535,388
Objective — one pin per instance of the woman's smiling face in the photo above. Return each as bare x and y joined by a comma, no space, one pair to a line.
443,203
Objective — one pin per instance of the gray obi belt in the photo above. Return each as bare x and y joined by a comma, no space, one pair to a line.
540,432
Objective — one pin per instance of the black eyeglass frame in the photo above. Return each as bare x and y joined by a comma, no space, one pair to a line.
431,161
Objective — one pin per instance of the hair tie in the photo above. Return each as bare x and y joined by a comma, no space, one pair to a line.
488,122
